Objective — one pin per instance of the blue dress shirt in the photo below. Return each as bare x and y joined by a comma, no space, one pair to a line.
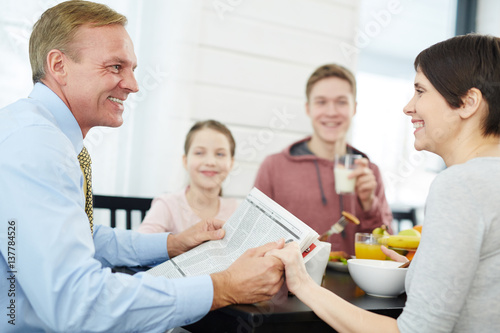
54,275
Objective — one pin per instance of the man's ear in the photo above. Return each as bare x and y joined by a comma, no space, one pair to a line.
308,111
471,103
56,66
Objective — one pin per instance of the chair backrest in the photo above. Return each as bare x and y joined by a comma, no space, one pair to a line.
401,214
128,204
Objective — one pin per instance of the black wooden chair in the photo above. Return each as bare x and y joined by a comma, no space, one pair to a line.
399,215
128,204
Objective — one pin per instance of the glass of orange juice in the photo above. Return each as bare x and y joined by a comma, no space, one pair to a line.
366,246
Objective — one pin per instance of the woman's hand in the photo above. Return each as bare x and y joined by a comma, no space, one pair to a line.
393,254
295,270
253,277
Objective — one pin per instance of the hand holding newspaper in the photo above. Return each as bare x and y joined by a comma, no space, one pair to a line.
257,221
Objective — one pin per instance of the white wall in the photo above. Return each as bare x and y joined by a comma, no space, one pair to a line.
254,61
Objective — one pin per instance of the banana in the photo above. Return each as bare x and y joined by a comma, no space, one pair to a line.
383,240
403,241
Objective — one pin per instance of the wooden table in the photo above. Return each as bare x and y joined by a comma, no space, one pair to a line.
288,314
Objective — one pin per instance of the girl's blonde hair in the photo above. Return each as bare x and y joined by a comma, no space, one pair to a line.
212,124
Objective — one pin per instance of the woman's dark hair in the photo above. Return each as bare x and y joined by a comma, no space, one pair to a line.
458,64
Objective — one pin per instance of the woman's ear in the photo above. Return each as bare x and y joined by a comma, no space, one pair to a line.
471,103
56,66
184,161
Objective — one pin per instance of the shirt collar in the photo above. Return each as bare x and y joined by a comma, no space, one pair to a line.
62,114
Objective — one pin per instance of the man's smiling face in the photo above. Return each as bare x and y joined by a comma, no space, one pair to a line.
101,77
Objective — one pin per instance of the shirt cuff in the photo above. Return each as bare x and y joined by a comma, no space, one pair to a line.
194,297
152,247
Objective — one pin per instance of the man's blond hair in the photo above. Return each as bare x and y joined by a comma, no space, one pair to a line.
58,25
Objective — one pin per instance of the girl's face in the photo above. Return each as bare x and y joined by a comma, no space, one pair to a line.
208,160
435,122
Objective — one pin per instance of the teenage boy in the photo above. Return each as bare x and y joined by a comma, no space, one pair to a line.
301,179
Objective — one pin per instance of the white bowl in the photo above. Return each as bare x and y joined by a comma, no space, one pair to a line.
380,278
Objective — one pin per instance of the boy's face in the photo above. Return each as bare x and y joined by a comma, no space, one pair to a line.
331,107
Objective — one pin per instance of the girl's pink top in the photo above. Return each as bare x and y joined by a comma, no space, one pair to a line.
171,213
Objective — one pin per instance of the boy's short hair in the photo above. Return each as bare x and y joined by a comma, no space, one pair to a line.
331,70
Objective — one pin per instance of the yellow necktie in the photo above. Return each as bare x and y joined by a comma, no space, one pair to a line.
86,166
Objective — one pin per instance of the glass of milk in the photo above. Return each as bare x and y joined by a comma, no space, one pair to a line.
344,165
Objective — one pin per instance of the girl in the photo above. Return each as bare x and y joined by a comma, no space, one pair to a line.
453,283
208,158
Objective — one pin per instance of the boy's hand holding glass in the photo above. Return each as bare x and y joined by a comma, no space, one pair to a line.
352,174
345,181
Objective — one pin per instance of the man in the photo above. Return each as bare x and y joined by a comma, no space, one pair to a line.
300,178
52,260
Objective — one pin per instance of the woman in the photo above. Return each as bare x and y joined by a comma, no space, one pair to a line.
453,284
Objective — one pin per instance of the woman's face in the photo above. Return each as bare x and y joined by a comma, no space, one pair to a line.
434,120
209,159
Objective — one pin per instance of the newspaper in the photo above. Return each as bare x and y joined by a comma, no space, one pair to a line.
257,220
